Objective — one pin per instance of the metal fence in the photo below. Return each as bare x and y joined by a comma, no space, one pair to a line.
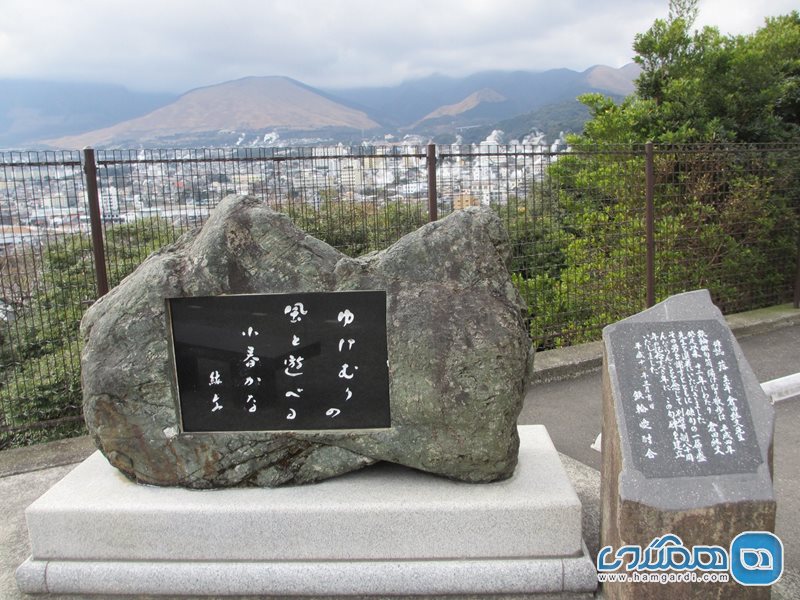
596,234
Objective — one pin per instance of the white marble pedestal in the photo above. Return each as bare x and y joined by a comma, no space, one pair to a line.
385,530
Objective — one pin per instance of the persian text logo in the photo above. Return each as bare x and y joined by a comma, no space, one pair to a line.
665,553
756,558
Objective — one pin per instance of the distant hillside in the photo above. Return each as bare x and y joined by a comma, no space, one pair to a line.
615,81
475,117
551,120
251,104
31,111
524,91
276,111
471,102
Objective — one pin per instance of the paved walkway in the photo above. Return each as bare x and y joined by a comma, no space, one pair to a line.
570,408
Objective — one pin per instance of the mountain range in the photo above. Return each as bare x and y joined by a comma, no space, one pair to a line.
280,110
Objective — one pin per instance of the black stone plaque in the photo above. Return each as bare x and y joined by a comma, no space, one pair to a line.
686,409
274,362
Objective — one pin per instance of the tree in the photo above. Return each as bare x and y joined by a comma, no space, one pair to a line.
702,86
666,50
725,215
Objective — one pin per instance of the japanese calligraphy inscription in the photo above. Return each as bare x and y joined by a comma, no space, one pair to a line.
684,403
273,362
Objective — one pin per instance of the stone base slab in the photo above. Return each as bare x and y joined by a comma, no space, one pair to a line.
320,578
384,530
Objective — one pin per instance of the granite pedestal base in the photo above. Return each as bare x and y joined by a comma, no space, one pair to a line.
385,530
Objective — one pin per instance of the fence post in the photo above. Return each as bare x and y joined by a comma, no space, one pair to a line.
433,208
650,241
93,198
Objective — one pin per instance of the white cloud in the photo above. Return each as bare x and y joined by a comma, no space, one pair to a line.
179,44
741,17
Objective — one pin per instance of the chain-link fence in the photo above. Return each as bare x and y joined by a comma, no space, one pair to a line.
596,234
41,223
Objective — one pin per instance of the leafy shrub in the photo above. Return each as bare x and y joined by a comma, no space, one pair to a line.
725,221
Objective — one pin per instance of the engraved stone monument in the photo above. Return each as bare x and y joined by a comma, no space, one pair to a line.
687,440
443,312
250,356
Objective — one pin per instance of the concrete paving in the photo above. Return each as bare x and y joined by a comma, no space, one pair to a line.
565,396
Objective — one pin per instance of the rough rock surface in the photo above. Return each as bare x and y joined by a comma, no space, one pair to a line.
459,353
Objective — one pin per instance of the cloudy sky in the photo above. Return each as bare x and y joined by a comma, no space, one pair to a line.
177,45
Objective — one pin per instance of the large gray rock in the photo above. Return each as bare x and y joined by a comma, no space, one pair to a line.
458,353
